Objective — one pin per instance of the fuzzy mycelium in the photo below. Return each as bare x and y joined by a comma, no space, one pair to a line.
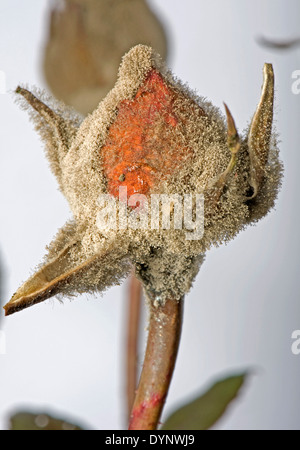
150,135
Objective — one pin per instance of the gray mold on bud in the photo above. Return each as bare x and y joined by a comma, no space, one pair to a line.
239,178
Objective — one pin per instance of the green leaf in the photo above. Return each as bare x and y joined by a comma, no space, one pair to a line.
29,421
203,412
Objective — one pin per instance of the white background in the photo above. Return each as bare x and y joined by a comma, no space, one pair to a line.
244,305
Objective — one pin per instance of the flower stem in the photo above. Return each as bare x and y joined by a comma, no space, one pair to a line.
160,357
134,306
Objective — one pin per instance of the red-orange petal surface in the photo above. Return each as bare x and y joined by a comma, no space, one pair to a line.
140,149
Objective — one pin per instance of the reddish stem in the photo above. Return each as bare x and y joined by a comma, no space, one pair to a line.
134,306
161,352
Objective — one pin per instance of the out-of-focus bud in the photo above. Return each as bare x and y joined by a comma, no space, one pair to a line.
86,42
